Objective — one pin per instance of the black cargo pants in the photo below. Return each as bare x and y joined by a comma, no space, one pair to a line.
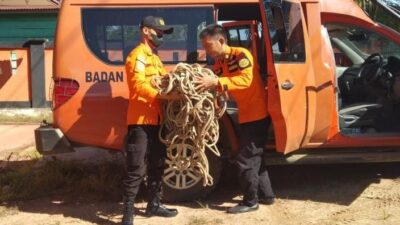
144,148
253,176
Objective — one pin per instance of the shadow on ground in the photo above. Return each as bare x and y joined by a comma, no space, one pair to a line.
337,184
340,184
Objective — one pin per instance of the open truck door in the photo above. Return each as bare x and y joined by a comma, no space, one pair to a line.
301,99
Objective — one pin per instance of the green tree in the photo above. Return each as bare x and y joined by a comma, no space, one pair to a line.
382,12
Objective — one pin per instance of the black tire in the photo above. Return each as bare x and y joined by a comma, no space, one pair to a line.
197,191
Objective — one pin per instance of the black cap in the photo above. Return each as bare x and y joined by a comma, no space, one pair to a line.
157,23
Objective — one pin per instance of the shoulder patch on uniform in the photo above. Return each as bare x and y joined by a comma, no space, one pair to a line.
244,62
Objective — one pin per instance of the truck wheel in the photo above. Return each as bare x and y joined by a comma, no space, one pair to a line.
181,185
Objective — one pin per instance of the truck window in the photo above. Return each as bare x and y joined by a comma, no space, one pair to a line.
286,31
240,36
111,34
361,41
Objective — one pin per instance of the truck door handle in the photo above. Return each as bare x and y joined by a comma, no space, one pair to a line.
287,85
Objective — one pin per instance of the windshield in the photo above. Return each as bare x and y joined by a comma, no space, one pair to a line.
363,42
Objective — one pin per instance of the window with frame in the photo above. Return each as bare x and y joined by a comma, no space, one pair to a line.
286,30
111,34
361,41
240,36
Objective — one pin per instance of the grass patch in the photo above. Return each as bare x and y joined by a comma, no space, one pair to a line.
217,221
385,215
25,119
100,181
31,153
20,116
202,205
203,221
197,221
8,211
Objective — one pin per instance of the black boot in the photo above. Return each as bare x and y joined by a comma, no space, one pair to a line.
267,200
242,208
155,208
127,218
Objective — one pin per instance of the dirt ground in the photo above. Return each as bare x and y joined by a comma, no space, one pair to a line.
314,194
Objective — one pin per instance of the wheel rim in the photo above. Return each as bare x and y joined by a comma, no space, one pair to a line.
180,173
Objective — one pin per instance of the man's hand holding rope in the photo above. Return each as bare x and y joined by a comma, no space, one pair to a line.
204,82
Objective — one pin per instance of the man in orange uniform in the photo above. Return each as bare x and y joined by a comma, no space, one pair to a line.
240,78
143,119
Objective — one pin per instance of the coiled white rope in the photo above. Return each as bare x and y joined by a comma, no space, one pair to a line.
190,123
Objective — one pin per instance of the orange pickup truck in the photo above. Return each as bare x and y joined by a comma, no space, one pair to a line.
328,71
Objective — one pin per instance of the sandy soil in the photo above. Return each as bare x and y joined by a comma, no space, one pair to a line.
320,195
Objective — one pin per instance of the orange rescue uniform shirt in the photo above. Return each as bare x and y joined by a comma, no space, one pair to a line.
141,65
243,82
